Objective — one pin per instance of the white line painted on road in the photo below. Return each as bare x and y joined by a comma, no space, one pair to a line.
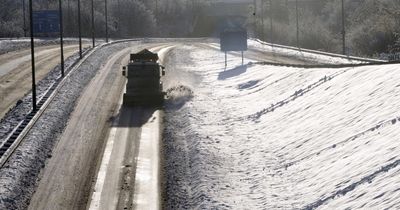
147,180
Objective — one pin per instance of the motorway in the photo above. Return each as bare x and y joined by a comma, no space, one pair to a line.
107,156
90,128
15,71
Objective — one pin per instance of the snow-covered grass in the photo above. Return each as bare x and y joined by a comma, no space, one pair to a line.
309,56
267,137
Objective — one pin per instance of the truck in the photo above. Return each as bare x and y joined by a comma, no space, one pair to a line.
143,86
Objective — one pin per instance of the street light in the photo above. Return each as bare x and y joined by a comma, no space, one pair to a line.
255,18
156,12
105,11
271,23
93,39
23,14
32,58
61,38
262,20
79,29
343,30
297,23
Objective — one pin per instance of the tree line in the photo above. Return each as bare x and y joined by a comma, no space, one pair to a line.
126,18
371,26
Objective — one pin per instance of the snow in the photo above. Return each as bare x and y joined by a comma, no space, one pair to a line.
268,137
253,136
311,57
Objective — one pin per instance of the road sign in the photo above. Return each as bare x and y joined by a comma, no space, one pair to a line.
233,40
46,22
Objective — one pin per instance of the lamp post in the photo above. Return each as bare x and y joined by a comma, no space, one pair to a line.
297,23
271,24
32,58
23,14
156,11
105,11
255,18
343,30
118,25
79,29
93,39
61,38
262,20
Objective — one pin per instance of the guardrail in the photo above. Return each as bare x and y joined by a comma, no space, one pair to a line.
320,52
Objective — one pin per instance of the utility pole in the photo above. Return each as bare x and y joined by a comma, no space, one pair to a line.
23,14
32,59
119,18
297,23
271,24
93,39
79,29
255,18
343,29
68,20
105,11
61,38
262,20
156,12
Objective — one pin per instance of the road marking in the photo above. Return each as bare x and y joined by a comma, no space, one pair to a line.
98,188
96,199
147,179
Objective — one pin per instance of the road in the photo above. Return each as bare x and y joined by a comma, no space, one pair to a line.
104,145
67,178
15,72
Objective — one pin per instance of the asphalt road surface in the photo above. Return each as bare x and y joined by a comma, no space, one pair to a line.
16,76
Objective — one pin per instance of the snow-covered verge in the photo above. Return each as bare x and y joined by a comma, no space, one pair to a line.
325,55
312,57
294,56
19,175
267,137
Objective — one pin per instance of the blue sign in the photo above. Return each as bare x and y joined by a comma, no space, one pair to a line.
46,22
235,40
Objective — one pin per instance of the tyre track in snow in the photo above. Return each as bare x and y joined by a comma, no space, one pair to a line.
183,181
297,94
366,179
374,128
224,163
202,168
